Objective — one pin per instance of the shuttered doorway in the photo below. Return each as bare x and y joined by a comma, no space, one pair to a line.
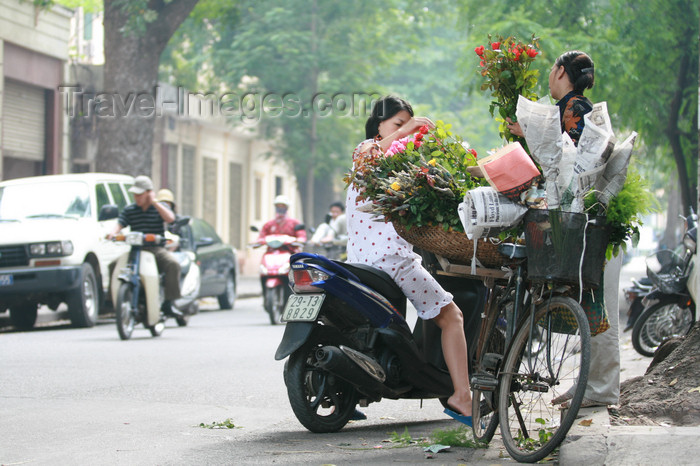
24,126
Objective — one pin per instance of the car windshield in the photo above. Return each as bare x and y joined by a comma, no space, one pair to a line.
62,199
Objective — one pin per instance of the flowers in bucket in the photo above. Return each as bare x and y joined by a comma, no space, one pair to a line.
420,180
505,65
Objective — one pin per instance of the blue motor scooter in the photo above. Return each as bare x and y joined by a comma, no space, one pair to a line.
349,343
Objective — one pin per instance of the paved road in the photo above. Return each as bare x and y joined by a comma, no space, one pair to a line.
82,396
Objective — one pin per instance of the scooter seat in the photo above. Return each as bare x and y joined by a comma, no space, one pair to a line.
376,279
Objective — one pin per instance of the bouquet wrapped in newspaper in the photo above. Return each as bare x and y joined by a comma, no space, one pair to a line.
591,177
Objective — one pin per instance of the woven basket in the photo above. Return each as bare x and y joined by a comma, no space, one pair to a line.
451,244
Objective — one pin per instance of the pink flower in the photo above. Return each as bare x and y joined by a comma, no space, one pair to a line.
397,146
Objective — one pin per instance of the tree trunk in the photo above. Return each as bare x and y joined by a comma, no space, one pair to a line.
127,108
674,134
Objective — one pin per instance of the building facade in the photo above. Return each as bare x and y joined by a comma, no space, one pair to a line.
33,57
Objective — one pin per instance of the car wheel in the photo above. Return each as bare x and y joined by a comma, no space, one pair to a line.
23,316
228,298
83,302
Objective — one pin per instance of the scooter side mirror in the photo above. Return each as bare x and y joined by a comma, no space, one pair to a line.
299,226
254,228
108,212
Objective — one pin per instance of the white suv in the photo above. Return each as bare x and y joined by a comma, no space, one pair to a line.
52,243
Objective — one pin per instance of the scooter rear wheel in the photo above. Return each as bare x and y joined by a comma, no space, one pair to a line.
125,313
321,402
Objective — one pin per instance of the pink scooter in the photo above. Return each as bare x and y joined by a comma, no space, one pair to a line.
274,270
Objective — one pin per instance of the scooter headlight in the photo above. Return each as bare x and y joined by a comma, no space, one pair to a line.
134,238
301,280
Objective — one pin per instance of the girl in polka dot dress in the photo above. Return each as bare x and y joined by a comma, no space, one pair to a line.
376,243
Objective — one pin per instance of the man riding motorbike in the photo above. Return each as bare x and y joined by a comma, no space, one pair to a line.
148,216
282,224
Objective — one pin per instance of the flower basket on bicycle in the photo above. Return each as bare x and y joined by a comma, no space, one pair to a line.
451,244
565,247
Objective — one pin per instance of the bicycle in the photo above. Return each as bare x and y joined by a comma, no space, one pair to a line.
534,345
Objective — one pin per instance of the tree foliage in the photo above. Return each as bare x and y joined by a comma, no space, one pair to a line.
646,56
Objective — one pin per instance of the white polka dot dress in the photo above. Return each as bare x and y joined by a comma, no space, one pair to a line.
376,243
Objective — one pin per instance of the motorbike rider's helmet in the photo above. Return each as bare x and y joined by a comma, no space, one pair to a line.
281,199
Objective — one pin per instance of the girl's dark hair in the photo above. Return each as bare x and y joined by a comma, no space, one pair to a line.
383,109
339,204
580,69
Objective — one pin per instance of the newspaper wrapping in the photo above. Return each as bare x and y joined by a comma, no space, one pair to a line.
485,212
610,183
594,148
541,126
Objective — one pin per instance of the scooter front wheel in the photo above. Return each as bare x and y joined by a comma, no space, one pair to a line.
274,304
125,313
321,402
663,320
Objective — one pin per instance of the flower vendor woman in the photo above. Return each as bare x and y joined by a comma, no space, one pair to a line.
376,243
572,73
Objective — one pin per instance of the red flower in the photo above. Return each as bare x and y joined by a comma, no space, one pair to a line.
518,51
532,53
479,50
424,129
418,137
472,152
482,64
495,45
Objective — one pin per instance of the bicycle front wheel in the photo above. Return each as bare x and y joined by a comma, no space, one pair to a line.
549,356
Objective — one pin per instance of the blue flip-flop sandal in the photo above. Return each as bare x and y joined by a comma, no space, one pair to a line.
466,420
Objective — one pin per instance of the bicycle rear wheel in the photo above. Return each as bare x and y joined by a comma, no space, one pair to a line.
531,426
484,382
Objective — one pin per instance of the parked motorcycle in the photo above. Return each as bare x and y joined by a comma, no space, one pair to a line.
669,308
634,295
274,267
349,343
136,286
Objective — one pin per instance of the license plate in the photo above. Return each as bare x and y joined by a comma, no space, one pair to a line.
6,279
302,307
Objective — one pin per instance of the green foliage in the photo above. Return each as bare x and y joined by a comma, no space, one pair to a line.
638,49
625,211
404,439
87,5
532,443
457,437
226,424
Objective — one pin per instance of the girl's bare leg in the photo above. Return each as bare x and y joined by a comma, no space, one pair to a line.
454,349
